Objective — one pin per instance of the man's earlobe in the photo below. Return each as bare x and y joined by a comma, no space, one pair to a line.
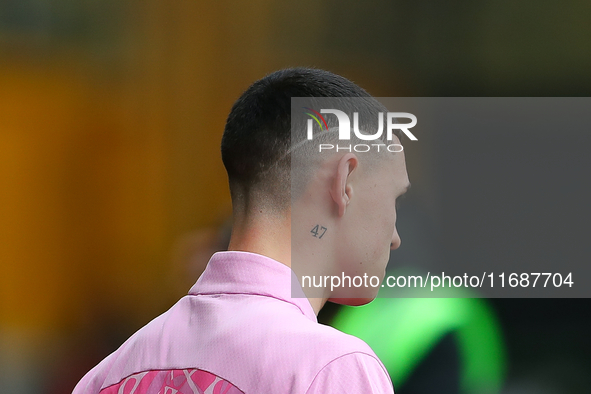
341,190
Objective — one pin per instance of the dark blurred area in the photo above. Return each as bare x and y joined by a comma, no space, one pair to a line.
112,189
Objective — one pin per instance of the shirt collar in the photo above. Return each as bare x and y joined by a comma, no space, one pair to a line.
234,272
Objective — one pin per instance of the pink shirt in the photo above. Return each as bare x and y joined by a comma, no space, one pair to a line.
239,331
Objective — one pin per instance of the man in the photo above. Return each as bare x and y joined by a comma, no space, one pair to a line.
241,328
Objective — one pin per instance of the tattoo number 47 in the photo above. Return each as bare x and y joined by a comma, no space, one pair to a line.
318,231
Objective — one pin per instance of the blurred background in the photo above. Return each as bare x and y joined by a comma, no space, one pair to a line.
112,190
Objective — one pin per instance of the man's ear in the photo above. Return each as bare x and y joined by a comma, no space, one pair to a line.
341,189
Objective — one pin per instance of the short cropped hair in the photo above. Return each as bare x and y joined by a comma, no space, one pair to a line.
257,138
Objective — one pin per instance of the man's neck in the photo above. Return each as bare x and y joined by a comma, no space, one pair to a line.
268,236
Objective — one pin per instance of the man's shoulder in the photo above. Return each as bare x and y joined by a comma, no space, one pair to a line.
290,329
355,372
340,362
317,343
332,341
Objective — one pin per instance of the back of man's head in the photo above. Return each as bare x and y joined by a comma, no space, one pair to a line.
257,138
